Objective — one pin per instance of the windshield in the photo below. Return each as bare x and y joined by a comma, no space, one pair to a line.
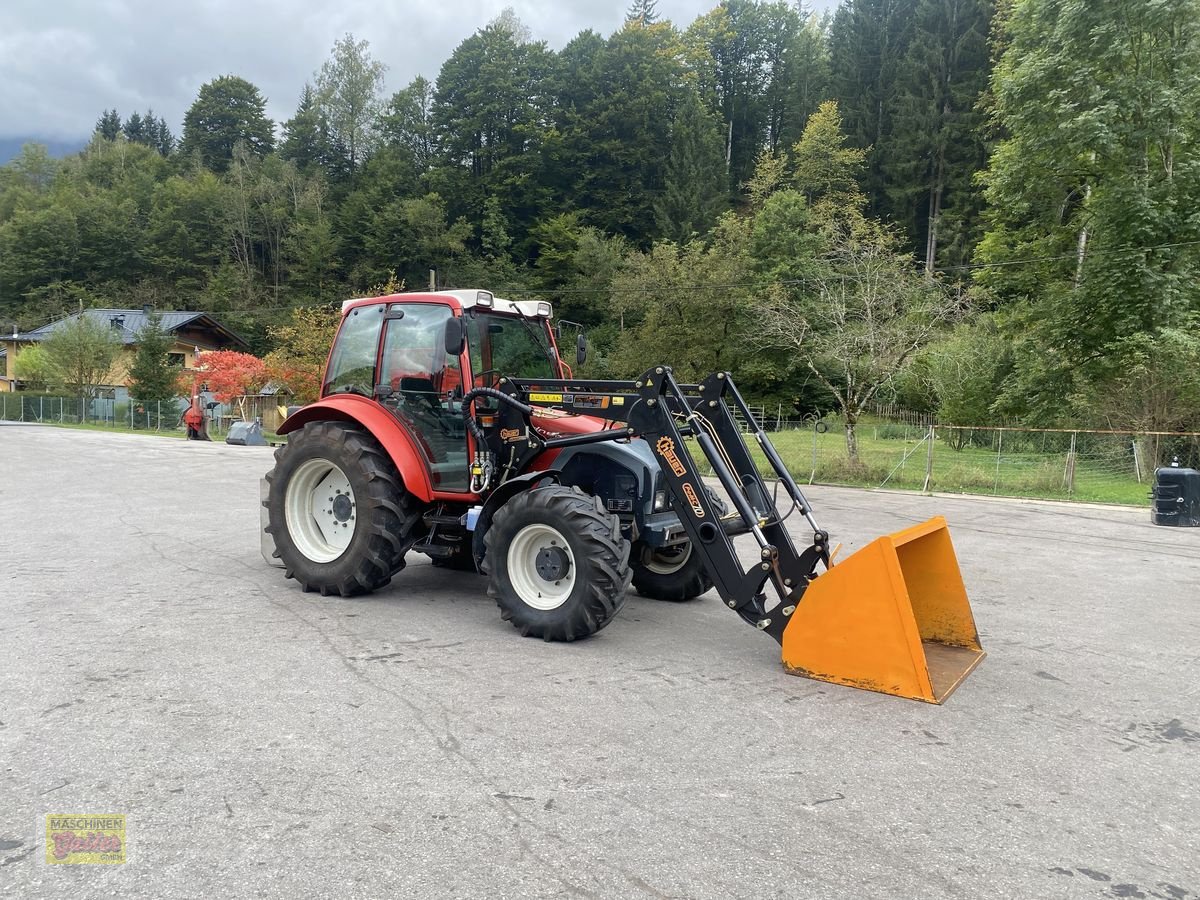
508,345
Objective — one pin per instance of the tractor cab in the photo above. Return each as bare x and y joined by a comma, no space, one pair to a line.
417,354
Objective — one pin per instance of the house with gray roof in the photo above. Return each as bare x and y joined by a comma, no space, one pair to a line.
192,332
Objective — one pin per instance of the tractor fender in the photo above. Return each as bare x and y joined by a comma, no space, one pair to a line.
498,498
384,427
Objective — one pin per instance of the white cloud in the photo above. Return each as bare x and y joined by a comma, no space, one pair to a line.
62,62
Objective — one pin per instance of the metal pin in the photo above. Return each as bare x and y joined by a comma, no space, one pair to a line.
788,610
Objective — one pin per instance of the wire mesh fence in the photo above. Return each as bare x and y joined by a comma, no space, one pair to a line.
1100,466
904,453
106,412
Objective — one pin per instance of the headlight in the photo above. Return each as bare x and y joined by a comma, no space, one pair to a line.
660,501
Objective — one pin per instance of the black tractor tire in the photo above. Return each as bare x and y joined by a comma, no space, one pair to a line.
385,516
675,574
594,582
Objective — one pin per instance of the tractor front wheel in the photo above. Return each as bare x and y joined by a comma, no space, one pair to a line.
338,511
674,573
557,564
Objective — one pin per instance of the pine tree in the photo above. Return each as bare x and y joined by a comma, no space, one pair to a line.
867,41
937,141
135,129
807,77
642,13
306,134
696,188
109,124
163,140
152,377
825,170
228,110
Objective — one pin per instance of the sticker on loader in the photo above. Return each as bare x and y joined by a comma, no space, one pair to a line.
693,501
666,448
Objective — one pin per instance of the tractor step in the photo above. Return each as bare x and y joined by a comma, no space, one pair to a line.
446,519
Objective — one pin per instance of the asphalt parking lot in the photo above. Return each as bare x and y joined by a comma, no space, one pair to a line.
266,742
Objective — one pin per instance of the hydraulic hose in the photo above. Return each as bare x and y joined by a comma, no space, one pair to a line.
469,418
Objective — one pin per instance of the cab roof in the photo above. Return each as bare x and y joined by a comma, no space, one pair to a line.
467,299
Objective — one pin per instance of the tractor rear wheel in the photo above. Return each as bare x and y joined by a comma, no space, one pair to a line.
338,511
557,564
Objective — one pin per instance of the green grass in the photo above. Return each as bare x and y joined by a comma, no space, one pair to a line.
1104,477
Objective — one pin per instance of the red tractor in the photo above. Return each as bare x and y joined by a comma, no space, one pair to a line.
449,425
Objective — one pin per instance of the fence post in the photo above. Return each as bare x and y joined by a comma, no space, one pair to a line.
929,460
812,476
999,454
1137,463
1071,467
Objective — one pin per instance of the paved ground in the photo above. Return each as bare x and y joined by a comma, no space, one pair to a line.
265,742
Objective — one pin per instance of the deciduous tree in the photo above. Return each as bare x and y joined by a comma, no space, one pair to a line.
231,376
301,348
1092,225
348,94
863,315
81,352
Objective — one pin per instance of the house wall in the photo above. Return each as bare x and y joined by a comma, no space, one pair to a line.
6,378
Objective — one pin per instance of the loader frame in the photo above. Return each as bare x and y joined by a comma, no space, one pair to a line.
666,413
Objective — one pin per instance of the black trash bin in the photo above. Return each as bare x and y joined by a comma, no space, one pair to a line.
1176,496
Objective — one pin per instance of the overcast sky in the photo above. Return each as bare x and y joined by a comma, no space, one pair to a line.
62,62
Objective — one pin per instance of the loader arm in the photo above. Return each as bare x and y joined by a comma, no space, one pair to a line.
664,412
893,617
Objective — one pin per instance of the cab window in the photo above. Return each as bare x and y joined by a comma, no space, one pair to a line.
351,367
507,345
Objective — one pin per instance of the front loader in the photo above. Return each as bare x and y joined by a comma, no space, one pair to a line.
449,425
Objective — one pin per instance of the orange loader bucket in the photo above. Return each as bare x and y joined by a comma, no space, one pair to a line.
893,618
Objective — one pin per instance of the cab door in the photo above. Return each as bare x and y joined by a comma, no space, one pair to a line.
425,385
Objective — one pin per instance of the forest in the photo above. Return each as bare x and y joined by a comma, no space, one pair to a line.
987,211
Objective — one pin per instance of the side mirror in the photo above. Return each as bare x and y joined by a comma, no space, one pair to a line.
456,337
580,349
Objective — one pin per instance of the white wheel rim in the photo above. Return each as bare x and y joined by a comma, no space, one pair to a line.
666,560
530,586
320,510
